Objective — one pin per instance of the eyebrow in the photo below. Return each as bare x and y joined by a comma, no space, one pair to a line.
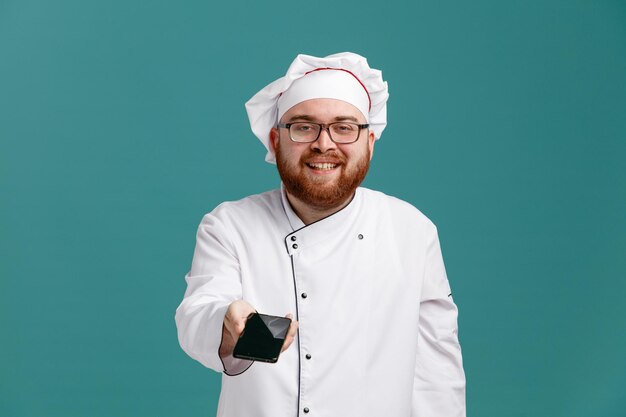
308,118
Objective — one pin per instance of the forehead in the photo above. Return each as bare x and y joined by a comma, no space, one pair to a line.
324,109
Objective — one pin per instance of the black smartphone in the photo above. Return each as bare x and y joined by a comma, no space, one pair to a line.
262,338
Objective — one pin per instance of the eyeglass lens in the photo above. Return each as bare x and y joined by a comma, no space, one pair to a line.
340,132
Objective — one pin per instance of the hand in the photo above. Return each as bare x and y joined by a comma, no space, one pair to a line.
291,333
234,323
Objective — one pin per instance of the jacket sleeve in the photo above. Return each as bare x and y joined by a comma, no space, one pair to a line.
439,385
212,284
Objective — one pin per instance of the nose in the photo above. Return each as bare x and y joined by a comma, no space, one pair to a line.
323,142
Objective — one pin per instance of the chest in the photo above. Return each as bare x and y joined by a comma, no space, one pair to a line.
365,266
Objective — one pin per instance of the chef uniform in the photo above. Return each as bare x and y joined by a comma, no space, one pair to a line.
377,324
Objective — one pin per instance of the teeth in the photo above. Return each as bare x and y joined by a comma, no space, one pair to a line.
325,165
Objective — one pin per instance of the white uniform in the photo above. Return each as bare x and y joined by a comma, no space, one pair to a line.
378,327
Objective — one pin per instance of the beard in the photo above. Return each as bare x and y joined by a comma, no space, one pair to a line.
322,194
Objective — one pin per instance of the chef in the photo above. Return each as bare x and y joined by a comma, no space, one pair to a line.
374,330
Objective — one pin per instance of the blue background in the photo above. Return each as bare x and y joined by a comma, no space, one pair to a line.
122,123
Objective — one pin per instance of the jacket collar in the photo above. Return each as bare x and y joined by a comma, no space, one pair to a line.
309,235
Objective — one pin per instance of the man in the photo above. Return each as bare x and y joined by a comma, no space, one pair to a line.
375,327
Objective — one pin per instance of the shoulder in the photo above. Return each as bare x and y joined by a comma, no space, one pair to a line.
393,209
267,204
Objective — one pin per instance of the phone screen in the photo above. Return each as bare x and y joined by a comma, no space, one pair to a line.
262,338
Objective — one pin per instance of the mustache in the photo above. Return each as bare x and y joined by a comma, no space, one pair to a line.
330,156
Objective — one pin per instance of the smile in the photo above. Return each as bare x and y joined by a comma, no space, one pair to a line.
322,166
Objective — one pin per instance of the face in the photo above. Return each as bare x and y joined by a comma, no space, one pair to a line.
322,174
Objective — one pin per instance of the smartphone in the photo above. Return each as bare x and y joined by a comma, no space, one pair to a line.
262,338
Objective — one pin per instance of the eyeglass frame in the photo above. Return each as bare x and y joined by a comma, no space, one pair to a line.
326,127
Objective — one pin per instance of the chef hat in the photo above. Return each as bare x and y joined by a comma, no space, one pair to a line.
344,76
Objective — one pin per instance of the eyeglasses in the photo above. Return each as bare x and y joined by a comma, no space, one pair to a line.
339,132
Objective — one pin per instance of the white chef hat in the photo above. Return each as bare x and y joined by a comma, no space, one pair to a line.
344,76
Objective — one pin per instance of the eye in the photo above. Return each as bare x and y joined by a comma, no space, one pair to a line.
303,127
343,128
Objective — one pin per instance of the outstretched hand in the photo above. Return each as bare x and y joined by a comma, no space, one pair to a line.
235,321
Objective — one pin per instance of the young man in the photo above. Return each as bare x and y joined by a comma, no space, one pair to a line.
361,273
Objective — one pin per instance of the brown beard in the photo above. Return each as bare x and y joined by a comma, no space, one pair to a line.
321,196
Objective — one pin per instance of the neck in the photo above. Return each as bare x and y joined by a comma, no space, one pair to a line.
310,214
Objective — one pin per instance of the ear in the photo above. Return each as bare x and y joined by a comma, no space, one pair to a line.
273,139
370,143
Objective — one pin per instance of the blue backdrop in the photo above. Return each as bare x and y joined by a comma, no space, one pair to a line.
122,123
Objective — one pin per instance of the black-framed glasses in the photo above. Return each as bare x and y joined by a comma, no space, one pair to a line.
339,132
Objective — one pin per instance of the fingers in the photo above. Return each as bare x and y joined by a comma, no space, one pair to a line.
236,316
291,333
234,323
